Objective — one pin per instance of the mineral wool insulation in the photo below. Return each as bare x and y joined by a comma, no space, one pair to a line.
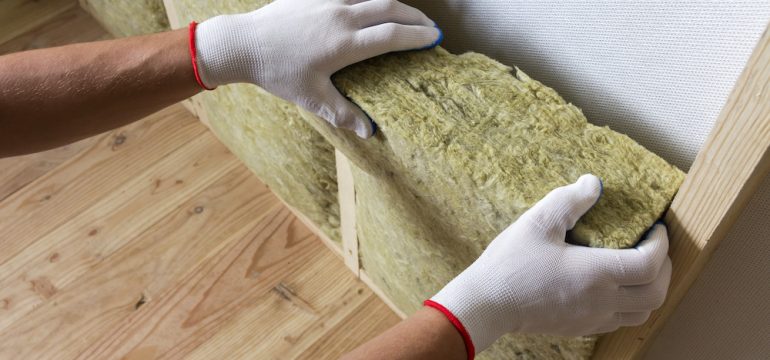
465,147
270,137
127,18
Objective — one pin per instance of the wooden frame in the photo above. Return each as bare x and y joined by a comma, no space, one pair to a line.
725,175
727,172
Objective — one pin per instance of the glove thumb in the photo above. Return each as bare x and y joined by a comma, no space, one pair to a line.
562,207
342,113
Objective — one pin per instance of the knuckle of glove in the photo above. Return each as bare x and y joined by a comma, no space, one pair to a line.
657,297
644,273
389,31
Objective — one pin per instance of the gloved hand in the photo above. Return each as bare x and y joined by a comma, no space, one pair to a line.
530,280
292,47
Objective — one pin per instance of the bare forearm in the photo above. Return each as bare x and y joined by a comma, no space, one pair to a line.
51,97
425,335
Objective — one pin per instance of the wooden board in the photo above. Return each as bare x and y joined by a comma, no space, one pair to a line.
153,240
724,176
722,179
59,195
185,255
347,201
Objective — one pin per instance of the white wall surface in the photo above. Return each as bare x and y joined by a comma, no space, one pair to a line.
660,72
726,314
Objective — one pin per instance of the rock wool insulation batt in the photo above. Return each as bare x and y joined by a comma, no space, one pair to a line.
127,18
265,132
465,147
270,137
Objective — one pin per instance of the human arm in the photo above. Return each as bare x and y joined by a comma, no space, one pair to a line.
290,48
51,97
530,280
427,334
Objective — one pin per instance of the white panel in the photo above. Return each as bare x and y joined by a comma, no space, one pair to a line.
658,71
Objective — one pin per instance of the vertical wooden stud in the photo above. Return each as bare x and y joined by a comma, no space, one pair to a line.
727,172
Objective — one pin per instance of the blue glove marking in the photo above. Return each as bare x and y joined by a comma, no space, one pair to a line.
374,125
601,192
438,41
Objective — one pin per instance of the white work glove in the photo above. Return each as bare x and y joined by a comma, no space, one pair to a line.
530,280
292,47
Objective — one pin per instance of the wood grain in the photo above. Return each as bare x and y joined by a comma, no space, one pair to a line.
381,294
331,245
347,200
72,25
189,257
724,176
117,286
19,171
368,320
153,241
94,234
60,194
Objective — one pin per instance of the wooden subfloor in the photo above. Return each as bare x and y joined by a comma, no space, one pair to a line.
153,241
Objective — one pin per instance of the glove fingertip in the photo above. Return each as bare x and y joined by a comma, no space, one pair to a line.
601,192
364,127
440,36
655,242
592,187
438,40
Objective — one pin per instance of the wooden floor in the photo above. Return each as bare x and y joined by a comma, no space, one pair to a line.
153,241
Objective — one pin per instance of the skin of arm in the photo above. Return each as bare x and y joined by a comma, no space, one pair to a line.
54,96
425,335
51,97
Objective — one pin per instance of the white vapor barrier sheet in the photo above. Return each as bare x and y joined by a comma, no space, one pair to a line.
659,71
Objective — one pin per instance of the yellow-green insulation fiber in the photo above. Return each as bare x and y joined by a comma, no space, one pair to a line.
263,131
465,146
269,135
129,17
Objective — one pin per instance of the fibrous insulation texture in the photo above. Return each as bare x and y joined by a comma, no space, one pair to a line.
466,146
128,18
269,136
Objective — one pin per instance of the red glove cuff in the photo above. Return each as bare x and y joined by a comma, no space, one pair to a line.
457,324
194,57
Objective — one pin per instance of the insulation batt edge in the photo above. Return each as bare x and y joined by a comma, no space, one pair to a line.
263,131
270,137
128,18
464,148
